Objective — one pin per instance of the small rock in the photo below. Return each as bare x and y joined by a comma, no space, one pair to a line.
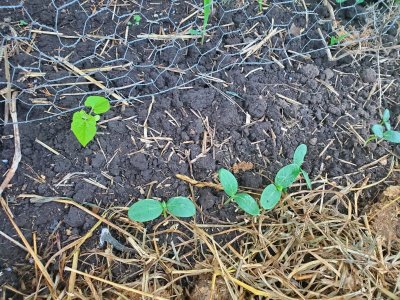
75,217
139,162
310,71
328,74
383,162
207,199
251,180
313,141
368,75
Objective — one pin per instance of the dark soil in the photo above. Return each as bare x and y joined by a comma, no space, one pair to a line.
181,120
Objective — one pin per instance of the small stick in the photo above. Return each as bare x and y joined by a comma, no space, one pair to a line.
47,147
78,71
327,50
198,183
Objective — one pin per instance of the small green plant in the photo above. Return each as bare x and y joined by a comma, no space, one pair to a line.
243,200
22,23
135,20
284,179
150,209
383,130
260,5
207,12
193,31
336,40
84,125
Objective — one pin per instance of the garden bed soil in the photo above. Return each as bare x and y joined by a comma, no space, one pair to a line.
250,113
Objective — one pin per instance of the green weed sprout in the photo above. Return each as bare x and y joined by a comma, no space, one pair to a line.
22,23
207,12
243,200
284,179
150,209
84,125
336,40
260,5
383,130
135,20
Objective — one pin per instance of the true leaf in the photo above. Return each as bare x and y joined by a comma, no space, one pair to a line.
84,127
228,182
270,197
287,175
306,178
386,118
378,130
99,104
386,115
145,210
392,136
181,207
299,154
247,203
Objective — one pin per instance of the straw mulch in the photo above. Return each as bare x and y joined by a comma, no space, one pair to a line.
313,246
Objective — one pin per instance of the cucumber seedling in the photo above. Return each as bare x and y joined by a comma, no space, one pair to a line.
84,125
243,200
284,179
150,209
383,130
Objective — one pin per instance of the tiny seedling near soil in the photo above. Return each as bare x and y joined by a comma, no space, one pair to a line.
135,20
84,125
207,12
22,23
150,209
193,31
336,40
260,5
284,179
383,130
243,200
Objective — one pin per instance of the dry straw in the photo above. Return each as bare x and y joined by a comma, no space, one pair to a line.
301,250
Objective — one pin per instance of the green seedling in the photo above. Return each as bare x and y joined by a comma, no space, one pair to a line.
84,125
298,159
336,40
284,179
150,209
22,23
135,20
260,5
383,130
207,12
193,31
243,200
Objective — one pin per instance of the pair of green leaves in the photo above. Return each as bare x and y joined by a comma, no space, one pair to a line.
284,179
273,192
243,200
84,124
384,130
150,209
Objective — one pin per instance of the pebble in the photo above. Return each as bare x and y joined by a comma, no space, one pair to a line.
313,141
368,75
